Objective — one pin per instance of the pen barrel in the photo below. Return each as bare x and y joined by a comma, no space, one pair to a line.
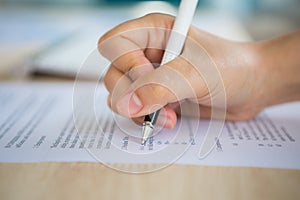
184,16
168,56
180,29
176,40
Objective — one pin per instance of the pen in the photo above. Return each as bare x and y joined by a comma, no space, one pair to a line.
173,49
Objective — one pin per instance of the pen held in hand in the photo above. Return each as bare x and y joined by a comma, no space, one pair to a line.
173,49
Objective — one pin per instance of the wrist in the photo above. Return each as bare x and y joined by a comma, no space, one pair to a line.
279,70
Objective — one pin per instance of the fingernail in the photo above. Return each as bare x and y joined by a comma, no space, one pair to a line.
129,104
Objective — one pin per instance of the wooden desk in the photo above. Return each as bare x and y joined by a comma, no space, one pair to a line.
95,181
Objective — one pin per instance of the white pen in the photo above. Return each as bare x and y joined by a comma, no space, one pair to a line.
173,49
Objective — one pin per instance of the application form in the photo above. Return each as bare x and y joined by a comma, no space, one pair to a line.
66,122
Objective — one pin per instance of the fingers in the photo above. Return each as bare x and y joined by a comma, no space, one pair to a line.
116,83
167,84
137,30
137,42
136,88
167,118
114,77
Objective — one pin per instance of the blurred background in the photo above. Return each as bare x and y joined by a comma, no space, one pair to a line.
263,18
32,31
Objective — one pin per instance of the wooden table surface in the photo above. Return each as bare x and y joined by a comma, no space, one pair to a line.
96,181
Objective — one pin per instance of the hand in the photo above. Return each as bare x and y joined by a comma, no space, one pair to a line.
209,69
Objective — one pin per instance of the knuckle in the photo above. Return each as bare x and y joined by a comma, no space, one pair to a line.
153,15
102,39
109,101
107,79
157,92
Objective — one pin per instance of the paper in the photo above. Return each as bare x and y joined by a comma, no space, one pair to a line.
56,122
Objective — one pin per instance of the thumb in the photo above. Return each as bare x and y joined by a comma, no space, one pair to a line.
169,83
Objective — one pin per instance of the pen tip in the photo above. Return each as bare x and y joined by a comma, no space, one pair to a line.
146,132
144,142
